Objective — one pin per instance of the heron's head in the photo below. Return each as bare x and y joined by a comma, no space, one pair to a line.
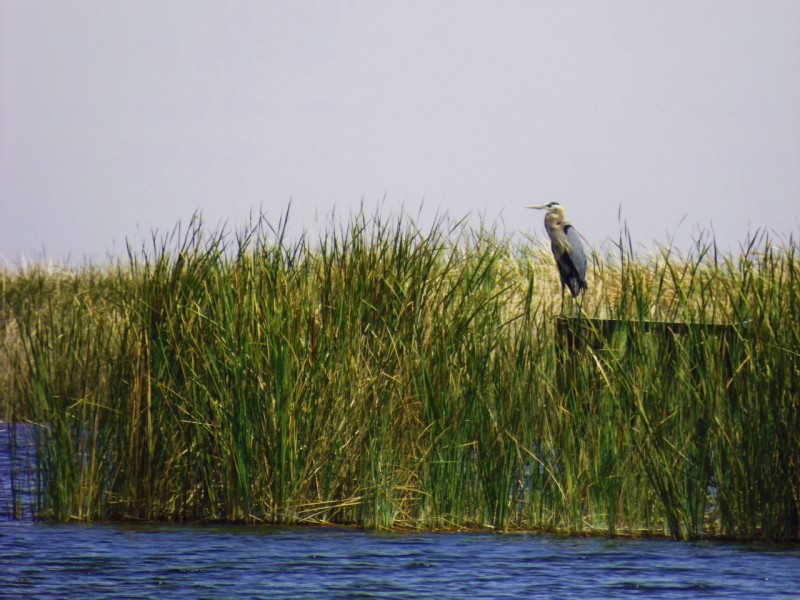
549,207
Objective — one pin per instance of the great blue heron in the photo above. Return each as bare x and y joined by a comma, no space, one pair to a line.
567,249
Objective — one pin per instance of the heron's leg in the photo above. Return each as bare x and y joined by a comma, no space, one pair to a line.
579,303
578,315
579,330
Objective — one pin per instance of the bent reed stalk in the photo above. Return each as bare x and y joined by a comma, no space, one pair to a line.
391,377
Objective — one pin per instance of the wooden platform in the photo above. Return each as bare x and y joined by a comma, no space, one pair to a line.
603,338
578,331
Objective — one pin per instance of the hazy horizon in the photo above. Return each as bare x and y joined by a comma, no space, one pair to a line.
121,118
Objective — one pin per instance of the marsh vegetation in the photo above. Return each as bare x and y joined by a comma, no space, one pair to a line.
392,377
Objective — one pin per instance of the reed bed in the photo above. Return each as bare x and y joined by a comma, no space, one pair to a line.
391,377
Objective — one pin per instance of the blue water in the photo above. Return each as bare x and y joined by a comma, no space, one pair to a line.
41,560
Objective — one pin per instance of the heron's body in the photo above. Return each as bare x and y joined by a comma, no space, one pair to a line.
567,249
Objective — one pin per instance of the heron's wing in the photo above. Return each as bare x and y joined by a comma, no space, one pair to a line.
576,252
571,261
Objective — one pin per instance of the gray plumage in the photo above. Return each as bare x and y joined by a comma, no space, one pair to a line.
567,248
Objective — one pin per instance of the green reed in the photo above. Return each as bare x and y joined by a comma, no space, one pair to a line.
386,376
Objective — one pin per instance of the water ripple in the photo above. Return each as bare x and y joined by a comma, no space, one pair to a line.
153,561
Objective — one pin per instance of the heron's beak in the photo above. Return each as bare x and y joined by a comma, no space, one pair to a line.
539,206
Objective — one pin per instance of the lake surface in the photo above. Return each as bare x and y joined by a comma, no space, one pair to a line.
44,560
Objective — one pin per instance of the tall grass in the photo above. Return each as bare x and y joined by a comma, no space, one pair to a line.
387,376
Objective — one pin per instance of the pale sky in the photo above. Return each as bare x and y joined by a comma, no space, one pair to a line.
120,117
